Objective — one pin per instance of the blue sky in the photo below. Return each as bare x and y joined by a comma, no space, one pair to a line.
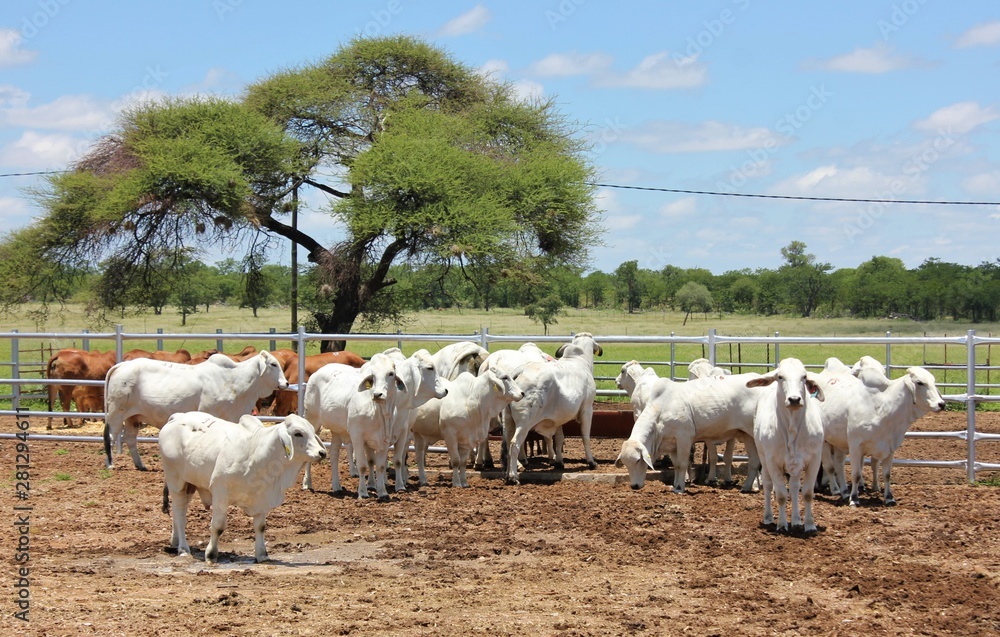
877,99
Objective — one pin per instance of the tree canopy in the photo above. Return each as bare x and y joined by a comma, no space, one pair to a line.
426,162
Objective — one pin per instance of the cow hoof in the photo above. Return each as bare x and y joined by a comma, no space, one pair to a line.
558,466
512,482
592,464
383,498
891,502
855,503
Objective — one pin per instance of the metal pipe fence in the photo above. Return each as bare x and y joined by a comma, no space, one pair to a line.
712,345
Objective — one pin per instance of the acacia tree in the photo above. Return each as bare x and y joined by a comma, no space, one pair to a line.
431,164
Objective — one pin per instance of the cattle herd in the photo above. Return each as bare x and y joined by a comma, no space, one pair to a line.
791,422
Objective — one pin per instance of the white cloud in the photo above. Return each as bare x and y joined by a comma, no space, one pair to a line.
494,68
659,71
12,96
958,118
983,183
67,113
986,34
11,53
469,22
567,64
35,151
528,91
617,223
877,59
859,182
678,209
682,137
14,211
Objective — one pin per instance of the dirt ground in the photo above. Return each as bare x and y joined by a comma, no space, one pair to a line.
572,557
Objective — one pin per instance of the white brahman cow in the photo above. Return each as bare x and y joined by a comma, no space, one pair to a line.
243,464
788,432
703,368
463,419
419,375
510,360
554,393
356,405
678,414
865,421
150,391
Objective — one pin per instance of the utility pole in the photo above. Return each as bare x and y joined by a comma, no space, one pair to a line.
295,266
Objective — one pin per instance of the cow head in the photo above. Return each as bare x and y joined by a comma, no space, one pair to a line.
923,389
272,377
794,383
635,458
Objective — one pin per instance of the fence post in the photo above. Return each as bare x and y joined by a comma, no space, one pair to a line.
970,405
159,341
777,350
301,408
218,341
15,355
399,343
119,343
888,356
711,346
85,342
483,341
273,344
673,351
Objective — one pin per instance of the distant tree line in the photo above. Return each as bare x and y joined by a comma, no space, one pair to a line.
801,286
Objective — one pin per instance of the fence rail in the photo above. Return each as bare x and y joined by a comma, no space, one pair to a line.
712,345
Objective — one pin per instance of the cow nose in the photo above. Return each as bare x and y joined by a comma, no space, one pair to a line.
794,401
941,405
322,454
378,396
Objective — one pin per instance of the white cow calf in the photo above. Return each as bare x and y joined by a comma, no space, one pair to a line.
244,464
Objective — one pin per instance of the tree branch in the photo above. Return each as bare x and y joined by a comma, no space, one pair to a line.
327,189
378,279
314,247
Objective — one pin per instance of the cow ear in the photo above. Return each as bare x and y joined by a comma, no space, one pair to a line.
286,440
598,350
618,462
366,382
646,458
400,385
814,387
559,352
763,381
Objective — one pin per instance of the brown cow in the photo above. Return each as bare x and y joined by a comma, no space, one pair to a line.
76,364
180,356
287,402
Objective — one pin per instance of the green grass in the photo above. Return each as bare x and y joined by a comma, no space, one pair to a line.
63,477
61,452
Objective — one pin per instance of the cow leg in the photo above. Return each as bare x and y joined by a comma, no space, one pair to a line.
221,503
886,465
829,469
455,458
682,460
352,464
108,462
520,433
857,463
131,434
179,507
753,465
808,495
399,453
781,495
66,398
259,549
711,461
727,460
767,485
839,459
336,442
794,489
380,459
556,445
586,417
420,445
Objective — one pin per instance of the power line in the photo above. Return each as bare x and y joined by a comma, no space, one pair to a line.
39,172
797,197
